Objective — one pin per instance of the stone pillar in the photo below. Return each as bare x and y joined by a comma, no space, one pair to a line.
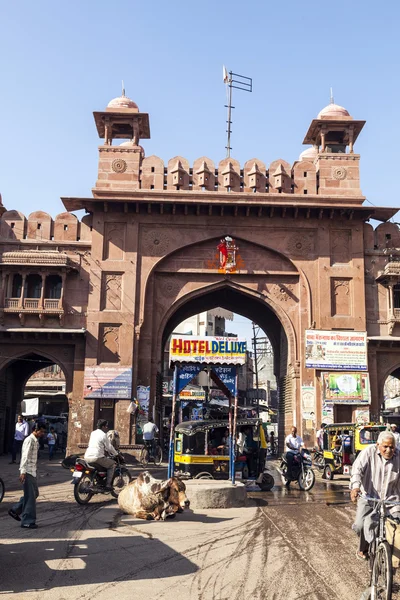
3,289
63,280
43,276
22,296
322,141
351,140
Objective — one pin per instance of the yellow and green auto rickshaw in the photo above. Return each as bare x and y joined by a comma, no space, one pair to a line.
202,451
342,444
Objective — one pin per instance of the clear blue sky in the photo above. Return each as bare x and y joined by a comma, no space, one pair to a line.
62,60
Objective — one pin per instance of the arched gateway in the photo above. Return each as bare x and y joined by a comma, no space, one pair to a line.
284,245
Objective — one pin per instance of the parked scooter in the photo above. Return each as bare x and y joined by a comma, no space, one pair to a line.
90,479
302,472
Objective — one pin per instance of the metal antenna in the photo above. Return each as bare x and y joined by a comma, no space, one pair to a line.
332,101
241,83
123,89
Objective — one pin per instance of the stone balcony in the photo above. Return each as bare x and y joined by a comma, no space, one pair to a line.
391,272
34,305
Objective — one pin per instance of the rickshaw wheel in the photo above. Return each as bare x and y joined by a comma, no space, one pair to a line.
245,472
267,482
328,472
204,475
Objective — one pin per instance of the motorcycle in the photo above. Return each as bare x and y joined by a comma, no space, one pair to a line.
302,472
90,479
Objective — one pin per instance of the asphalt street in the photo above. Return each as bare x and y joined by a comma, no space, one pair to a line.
288,545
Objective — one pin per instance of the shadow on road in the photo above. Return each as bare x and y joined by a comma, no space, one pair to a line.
43,564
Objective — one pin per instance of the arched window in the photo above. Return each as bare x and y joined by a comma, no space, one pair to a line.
396,296
16,286
53,287
33,286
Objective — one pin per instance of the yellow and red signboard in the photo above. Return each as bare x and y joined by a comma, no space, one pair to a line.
208,350
198,395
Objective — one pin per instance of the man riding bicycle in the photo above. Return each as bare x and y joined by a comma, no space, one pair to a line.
375,472
149,430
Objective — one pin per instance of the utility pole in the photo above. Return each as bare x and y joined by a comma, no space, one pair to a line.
256,366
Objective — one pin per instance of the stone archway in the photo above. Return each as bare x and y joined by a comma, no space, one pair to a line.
268,290
19,360
255,307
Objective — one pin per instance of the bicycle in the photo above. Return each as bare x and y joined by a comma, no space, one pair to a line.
2,489
150,452
380,553
318,458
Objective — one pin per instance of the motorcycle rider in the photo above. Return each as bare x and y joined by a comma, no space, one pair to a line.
99,446
293,443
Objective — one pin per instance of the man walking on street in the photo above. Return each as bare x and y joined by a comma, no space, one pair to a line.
25,509
99,446
21,432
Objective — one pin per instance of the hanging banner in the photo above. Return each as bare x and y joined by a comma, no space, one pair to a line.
186,374
346,388
361,416
327,413
228,377
108,382
336,350
208,350
308,402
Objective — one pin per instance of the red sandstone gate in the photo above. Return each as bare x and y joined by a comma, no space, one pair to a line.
284,245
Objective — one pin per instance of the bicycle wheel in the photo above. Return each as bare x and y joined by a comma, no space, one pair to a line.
144,457
158,455
382,573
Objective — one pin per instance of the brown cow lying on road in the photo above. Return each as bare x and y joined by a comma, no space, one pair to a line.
149,498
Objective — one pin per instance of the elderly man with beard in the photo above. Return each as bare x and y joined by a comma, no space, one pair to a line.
375,473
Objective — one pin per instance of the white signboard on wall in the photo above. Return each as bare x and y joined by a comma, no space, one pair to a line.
336,350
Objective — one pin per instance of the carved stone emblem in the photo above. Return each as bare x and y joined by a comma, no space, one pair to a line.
156,242
339,173
118,165
169,287
300,244
283,292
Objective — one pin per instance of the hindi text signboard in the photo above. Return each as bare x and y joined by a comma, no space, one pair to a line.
208,350
108,382
336,350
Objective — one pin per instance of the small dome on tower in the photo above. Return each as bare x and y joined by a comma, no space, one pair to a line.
130,144
122,102
334,111
308,154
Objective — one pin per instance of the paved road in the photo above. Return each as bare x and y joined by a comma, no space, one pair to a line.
287,545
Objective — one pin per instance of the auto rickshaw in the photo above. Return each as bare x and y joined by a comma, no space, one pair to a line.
342,444
202,452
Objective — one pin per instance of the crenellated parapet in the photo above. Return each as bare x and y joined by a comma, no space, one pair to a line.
41,227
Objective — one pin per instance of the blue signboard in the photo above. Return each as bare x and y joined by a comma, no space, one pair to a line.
228,377
108,382
186,374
